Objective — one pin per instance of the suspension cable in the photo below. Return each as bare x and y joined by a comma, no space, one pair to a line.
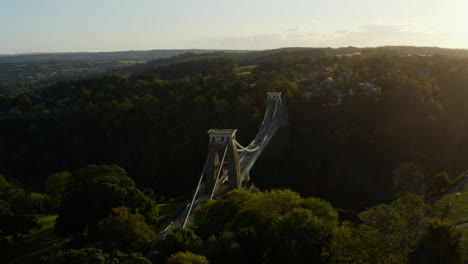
219,172
274,112
196,192
266,113
245,148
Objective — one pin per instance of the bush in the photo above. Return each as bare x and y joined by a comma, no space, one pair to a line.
187,258
94,256
440,243
128,231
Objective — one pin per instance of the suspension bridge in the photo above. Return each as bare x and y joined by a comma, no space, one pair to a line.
228,163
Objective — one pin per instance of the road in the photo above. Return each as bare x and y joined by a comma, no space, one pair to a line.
459,187
454,189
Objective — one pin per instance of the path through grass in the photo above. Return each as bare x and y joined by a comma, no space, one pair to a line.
452,208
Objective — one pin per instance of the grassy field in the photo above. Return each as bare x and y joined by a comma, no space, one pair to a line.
131,62
453,209
40,242
245,70
456,213
349,54
168,210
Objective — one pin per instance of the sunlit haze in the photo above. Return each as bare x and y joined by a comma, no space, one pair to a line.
111,25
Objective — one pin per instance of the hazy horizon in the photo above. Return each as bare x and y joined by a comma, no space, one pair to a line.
202,49
53,26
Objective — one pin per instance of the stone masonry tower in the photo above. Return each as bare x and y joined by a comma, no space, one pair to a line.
222,144
283,113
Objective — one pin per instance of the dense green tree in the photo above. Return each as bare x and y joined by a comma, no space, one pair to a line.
19,200
5,214
14,207
409,178
440,182
94,256
302,237
224,248
40,202
214,216
93,191
440,243
187,258
128,231
178,240
16,225
13,228
387,234
3,183
271,227
56,185
85,255
5,209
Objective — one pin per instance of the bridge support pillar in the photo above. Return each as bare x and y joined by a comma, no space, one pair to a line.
222,145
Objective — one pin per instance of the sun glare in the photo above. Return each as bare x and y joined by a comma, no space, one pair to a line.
461,26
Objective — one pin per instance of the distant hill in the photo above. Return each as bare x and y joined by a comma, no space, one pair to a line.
240,55
242,58
145,55
422,51
32,71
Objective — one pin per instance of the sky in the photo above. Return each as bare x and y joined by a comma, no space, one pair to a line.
114,25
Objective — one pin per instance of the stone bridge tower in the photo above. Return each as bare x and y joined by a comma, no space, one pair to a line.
283,110
222,154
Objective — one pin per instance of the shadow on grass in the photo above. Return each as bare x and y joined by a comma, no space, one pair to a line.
41,242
